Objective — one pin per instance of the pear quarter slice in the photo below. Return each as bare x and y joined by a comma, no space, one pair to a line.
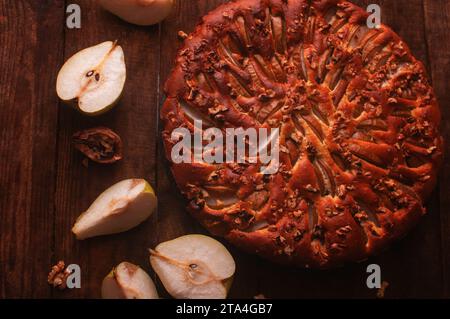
128,281
194,267
93,79
118,209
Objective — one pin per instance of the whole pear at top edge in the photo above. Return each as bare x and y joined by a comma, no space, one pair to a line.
93,79
139,12
119,208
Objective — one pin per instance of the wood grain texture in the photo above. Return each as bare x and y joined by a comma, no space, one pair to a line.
28,125
437,26
44,186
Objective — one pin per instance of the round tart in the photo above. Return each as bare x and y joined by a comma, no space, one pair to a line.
359,145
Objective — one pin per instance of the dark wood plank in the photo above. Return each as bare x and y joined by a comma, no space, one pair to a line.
134,119
437,24
28,121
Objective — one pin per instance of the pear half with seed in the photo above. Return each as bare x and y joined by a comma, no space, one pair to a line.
118,209
194,267
93,79
128,281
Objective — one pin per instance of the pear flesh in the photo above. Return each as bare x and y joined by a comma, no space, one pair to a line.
128,281
118,209
93,79
140,12
194,267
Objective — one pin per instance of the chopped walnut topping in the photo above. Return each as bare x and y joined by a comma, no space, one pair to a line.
273,122
431,150
311,189
284,149
367,174
291,203
227,14
288,250
297,213
286,118
341,190
214,176
312,151
350,187
280,240
217,109
343,231
182,35
259,187
298,235
192,94
295,137
337,247
361,216
300,108
266,96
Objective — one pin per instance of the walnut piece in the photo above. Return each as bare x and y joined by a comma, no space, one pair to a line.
381,291
182,35
58,276
99,144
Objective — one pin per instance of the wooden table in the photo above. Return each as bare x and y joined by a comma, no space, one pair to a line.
44,186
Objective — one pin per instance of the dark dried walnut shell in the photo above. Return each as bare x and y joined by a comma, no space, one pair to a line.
99,144
358,119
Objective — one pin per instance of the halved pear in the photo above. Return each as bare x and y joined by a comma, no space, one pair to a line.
194,267
128,281
93,79
118,209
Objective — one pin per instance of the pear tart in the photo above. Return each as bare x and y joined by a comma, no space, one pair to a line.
358,122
